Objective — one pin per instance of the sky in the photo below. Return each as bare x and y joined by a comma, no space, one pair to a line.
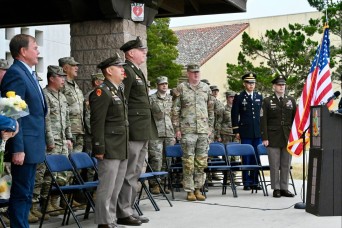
255,9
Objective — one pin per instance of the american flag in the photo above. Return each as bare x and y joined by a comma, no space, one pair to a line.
316,91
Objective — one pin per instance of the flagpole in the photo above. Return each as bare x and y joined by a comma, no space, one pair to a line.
302,205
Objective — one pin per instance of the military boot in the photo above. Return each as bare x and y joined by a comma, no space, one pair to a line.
199,195
32,218
191,196
36,212
54,204
155,190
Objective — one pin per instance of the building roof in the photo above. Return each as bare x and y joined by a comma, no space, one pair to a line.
198,45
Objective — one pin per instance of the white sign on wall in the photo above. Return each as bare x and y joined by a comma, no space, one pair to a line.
137,11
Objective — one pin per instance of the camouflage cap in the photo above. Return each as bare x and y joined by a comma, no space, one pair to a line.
97,76
4,64
230,94
112,61
205,81
67,60
132,44
214,87
161,80
193,67
249,77
55,70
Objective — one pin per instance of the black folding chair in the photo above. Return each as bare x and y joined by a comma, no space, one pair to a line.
219,165
174,166
58,163
80,161
246,150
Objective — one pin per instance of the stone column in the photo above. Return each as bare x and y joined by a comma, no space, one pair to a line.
94,41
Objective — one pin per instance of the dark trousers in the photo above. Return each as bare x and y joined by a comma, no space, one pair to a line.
21,194
250,178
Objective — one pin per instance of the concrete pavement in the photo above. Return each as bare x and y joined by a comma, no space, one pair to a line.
247,210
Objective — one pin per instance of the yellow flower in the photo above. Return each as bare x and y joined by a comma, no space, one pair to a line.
10,94
22,104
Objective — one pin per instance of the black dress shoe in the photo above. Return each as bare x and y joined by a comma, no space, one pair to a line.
246,188
276,193
142,219
286,193
129,221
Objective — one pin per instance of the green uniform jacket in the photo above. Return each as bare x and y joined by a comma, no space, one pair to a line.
276,120
141,123
109,122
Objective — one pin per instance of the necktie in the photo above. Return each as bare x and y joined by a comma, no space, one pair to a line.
36,80
281,101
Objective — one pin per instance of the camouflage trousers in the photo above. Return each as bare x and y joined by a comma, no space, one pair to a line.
156,154
78,143
195,155
226,138
43,179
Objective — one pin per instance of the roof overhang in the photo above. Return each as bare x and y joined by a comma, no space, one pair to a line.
16,13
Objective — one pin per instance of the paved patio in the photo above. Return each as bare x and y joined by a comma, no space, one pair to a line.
248,210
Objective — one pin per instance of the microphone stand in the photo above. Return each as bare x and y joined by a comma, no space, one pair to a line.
302,205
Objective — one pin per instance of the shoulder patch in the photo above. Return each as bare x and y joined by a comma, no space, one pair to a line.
98,92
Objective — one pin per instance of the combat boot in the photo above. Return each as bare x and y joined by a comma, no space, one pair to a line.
155,190
36,212
199,195
32,218
54,204
191,196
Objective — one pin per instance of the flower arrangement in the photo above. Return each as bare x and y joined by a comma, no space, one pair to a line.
14,107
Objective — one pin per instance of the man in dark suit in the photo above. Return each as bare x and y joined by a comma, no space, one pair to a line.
25,154
277,115
142,128
109,125
246,124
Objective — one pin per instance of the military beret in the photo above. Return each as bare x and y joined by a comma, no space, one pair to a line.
132,44
279,79
97,76
249,77
112,61
4,64
193,67
205,81
67,60
161,80
214,87
229,94
55,70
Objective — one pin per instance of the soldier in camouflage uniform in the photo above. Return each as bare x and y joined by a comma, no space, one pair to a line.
226,130
58,131
96,80
161,103
193,120
218,109
75,100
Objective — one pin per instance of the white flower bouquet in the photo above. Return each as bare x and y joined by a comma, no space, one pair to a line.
11,106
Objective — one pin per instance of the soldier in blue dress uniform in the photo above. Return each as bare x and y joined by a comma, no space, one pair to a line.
246,124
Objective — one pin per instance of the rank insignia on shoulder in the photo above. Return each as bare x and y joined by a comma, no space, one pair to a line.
98,92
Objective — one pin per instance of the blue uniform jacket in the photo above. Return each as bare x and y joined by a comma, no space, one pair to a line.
246,115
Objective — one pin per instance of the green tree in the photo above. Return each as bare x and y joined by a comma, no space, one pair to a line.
289,51
162,52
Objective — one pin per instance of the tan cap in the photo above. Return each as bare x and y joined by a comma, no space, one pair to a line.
67,60
55,70
97,76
